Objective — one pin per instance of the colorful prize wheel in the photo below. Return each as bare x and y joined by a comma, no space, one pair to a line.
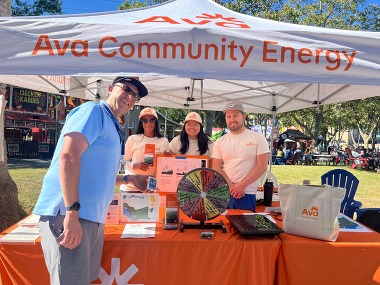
203,194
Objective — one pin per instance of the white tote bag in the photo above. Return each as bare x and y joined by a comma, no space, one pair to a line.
311,210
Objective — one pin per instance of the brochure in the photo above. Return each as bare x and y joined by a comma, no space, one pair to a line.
139,230
171,169
113,212
21,235
30,221
152,184
140,207
348,225
149,153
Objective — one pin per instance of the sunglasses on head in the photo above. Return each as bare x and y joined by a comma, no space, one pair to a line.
128,91
151,120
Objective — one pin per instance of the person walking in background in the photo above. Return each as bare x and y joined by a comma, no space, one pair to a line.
192,140
287,153
241,156
147,134
79,185
280,156
292,152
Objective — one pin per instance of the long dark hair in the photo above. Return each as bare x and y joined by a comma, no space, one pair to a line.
140,129
203,141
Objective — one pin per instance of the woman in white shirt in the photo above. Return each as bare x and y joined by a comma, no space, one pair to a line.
192,140
148,132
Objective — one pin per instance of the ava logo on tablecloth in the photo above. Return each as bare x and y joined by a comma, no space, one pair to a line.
121,279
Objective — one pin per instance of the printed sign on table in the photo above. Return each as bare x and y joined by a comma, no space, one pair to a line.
171,169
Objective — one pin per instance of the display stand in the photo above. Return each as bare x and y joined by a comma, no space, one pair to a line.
203,225
203,194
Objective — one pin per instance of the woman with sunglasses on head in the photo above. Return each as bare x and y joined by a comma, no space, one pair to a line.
192,140
148,132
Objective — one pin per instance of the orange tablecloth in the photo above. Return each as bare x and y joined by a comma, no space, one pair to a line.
182,258
171,257
354,258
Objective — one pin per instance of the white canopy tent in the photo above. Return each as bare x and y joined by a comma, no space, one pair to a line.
205,94
192,52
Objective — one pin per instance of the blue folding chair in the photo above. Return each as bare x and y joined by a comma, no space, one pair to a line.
344,179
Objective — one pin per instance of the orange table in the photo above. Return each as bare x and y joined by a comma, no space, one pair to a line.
169,258
182,258
354,258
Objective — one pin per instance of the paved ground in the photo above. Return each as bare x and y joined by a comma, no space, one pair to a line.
27,163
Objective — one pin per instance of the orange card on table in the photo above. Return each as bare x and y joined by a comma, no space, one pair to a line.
171,200
149,153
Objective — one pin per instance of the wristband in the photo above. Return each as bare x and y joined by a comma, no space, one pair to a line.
125,178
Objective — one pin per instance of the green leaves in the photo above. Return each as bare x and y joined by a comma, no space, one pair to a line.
36,8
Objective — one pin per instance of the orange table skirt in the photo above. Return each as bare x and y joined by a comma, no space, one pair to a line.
354,258
171,257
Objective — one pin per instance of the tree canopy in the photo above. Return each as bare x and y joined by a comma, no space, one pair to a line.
36,8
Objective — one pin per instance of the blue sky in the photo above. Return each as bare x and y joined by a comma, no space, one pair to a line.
90,6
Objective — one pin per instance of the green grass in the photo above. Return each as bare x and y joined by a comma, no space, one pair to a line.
29,182
369,181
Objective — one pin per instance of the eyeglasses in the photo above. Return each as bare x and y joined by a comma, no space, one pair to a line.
128,91
145,121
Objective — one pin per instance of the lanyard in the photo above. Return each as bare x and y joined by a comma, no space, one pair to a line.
114,119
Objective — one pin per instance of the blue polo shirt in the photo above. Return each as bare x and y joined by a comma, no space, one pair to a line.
98,165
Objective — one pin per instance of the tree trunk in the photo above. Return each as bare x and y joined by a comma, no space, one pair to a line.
9,205
318,123
210,118
6,8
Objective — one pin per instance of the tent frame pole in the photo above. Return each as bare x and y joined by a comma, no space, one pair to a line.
274,108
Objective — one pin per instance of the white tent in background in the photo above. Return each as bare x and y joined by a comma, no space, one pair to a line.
55,84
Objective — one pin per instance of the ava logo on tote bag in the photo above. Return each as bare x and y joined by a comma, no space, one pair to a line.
310,214
311,210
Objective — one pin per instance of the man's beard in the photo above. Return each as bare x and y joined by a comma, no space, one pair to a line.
235,126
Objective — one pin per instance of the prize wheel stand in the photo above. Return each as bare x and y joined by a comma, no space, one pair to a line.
203,194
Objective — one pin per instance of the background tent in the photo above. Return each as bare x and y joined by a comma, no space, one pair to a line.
194,54
297,135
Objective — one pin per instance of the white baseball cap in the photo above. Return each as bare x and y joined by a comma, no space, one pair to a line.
148,111
193,116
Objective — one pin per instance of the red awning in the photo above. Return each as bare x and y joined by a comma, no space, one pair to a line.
28,117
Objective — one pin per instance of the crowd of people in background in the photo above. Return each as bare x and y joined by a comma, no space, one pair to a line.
292,154
372,156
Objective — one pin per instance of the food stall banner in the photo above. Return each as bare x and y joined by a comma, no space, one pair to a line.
25,100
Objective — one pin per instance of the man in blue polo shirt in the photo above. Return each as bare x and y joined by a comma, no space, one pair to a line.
79,185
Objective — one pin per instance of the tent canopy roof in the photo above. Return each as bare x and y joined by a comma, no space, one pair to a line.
192,52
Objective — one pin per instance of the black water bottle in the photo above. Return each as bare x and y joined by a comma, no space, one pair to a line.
268,193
